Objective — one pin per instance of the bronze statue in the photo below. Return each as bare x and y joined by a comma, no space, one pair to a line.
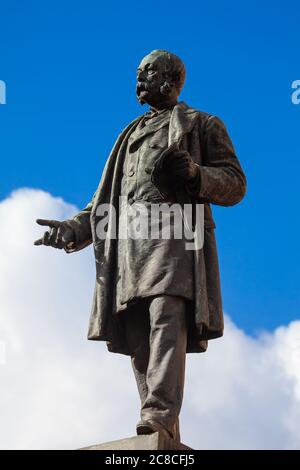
155,300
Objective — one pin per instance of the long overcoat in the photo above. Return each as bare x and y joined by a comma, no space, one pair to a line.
222,182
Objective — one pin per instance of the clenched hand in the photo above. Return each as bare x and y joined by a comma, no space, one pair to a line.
181,166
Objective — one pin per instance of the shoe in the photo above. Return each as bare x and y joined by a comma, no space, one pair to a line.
149,427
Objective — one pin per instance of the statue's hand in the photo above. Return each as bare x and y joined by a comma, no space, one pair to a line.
59,236
181,166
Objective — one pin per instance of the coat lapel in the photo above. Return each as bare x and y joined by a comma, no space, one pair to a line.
150,128
183,119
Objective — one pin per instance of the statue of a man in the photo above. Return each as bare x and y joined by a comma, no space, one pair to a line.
154,299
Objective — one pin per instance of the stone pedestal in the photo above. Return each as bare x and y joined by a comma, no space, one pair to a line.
155,441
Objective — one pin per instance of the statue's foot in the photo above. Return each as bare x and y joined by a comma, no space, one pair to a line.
149,427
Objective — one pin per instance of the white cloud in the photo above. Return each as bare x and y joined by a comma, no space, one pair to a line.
58,390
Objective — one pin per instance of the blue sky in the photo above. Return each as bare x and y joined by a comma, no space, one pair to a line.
70,69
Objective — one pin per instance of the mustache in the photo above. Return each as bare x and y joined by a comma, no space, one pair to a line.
141,86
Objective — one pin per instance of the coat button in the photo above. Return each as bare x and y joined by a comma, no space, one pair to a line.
130,172
130,200
154,146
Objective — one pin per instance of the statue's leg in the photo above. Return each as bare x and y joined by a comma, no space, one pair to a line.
166,367
137,328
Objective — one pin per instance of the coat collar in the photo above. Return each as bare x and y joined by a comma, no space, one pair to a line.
160,121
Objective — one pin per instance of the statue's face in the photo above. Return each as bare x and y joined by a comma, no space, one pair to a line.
151,76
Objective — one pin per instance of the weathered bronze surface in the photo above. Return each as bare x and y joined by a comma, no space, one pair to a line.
154,300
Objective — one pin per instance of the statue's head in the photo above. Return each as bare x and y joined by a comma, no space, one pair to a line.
160,77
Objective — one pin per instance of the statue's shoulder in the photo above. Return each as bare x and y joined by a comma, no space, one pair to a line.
206,119
201,115
190,117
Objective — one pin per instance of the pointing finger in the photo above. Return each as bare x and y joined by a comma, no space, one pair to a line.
49,223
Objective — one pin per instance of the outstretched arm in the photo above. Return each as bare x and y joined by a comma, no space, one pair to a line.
81,226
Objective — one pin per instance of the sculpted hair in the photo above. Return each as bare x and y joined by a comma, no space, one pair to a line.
175,68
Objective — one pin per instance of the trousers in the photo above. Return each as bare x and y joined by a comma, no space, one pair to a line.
156,333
